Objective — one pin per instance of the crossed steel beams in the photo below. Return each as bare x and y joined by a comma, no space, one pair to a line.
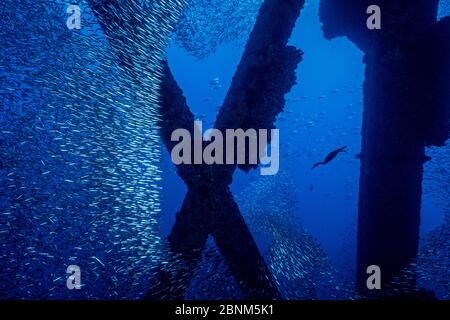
265,74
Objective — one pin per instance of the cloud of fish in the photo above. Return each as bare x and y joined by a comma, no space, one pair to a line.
206,24
79,176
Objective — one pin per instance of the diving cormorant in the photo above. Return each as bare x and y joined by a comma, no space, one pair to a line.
330,156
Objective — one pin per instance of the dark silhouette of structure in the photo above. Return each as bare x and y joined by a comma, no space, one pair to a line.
406,107
264,75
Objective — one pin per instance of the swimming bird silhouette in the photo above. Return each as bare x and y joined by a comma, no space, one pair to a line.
330,156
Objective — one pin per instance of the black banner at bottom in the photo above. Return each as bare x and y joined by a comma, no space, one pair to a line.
258,310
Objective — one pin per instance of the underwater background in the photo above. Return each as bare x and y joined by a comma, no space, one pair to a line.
86,180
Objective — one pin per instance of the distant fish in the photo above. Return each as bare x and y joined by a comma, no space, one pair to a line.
330,156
